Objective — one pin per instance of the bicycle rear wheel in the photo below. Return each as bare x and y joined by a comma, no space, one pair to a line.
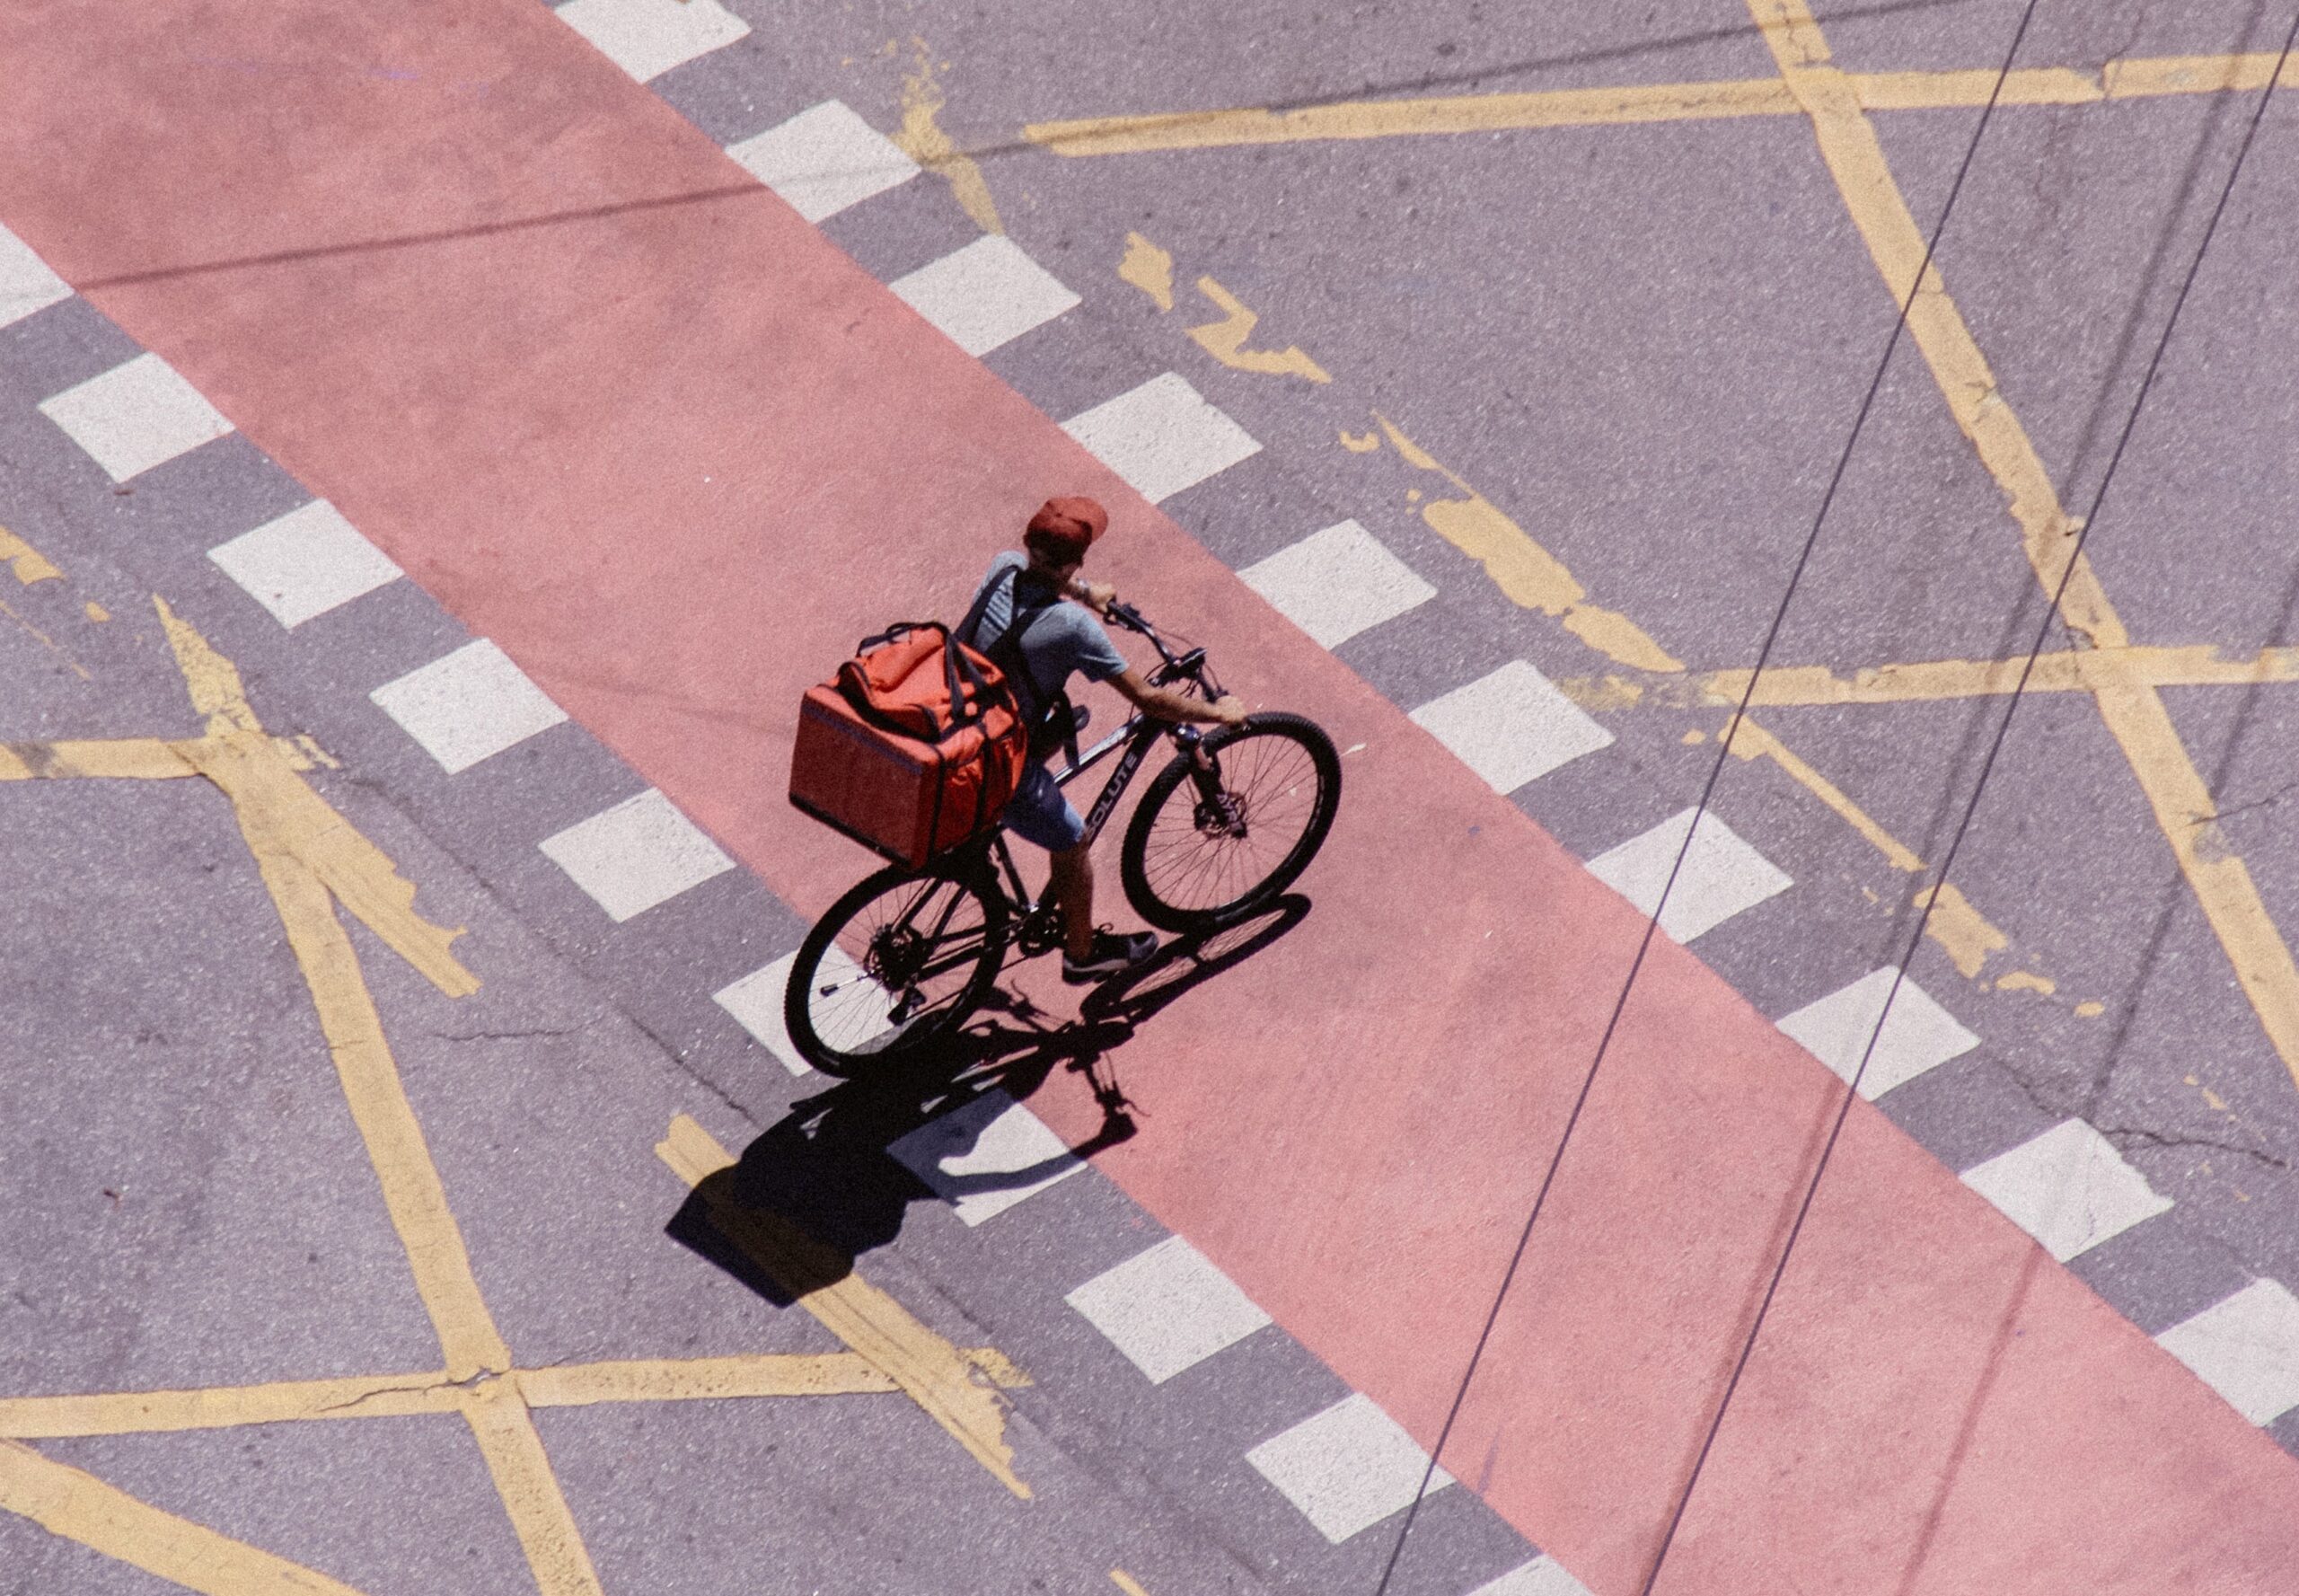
1207,844
898,963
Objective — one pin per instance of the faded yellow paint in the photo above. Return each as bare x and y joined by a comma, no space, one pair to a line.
1359,443
44,640
220,1408
78,1506
1529,574
935,1374
289,819
95,612
2091,1008
2139,78
2135,715
413,1194
1225,341
1126,1582
1966,935
2075,670
1752,741
922,138
397,1396
1148,269
28,564
2043,986
135,759
1962,931
309,860
748,1374
1389,119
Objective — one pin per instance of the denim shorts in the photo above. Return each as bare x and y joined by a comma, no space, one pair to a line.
1038,813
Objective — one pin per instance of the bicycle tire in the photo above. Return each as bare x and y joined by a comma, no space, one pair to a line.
1155,899
846,1038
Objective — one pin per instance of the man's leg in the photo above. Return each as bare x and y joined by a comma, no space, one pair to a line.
1072,887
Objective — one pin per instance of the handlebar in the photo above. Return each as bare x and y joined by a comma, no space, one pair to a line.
1129,618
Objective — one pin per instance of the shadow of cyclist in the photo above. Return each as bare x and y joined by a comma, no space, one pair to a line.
822,1173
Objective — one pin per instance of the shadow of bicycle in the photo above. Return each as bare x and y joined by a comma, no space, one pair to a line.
824,1168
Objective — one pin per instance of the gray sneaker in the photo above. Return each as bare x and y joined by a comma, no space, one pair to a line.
1111,953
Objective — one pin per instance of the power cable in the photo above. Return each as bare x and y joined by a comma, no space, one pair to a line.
1700,810
1971,808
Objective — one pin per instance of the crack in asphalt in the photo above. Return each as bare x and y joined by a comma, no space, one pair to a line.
472,1383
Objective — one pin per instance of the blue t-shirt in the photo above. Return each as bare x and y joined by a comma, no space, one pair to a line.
1061,637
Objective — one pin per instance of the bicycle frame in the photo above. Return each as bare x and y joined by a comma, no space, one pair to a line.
1136,736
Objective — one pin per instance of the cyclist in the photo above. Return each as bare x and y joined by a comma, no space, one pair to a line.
1056,636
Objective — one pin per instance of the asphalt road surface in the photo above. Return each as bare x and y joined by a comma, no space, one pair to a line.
436,445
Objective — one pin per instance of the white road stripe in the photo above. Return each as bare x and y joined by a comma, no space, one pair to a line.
1162,436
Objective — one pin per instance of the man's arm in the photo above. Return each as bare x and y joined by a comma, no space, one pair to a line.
1163,703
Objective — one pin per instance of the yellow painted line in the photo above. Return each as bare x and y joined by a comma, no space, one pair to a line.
78,1506
26,563
952,1388
1127,1582
220,1408
310,859
2147,77
260,779
2135,715
44,641
1225,341
516,1460
396,1396
922,138
413,1194
1148,269
2080,670
1966,936
1526,574
418,1205
1388,118
1751,741
145,759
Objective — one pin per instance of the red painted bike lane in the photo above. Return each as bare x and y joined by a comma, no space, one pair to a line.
623,411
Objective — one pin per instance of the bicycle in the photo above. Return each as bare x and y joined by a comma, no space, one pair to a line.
907,956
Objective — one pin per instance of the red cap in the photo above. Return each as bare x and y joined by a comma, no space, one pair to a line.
1063,529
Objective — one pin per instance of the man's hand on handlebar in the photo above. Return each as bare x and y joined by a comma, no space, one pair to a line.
1096,597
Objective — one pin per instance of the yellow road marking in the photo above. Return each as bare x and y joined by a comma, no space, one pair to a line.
1751,741
28,564
1148,269
143,759
1527,573
1225,341
935,1374
1126,1582
310,859
2078,670
295,821
2141,78
103,1517
922,138
220,1408
2135,715
505,1432
396,1396
44,641
1966,936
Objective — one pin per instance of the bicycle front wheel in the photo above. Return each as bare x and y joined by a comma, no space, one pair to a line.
897,964
1230,827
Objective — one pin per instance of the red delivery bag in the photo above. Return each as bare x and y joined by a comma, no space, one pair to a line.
913,748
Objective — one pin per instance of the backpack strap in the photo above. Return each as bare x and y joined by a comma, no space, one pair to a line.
1005,653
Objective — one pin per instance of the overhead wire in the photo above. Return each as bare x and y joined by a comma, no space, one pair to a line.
1971,808
1700,809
